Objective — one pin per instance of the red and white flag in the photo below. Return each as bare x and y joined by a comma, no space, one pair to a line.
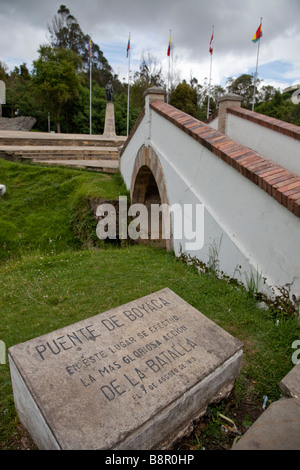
211,48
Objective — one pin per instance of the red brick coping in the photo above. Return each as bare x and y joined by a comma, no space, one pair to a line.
278,182
269,122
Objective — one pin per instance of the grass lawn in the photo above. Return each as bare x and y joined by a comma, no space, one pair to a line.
44,207
43,289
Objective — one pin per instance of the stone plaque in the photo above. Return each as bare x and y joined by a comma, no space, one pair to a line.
129,378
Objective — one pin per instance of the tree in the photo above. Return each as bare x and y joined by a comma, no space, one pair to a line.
184,97
3,71
192,98
280,107
121,114
244,86
150,71
66,33
18,93
267,93
54,80
149,75
79,121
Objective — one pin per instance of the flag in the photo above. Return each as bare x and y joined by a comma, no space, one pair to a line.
211,44
128,46
90,47
258,34
169,47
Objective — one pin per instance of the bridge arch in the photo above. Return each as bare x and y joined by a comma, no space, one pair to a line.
148,183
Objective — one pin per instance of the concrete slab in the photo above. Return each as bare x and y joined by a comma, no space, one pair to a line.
130,378
290,384
278,428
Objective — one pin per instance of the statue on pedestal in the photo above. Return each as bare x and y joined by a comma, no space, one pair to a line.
109,92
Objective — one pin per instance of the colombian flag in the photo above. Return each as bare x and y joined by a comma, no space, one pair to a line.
128,47
258,34
169,47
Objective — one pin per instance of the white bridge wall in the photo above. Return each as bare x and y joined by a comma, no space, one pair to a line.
251,231
278,147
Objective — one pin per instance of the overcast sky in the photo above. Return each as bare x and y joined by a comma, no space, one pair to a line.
23,28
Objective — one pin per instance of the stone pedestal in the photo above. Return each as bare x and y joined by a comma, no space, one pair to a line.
109,126
130,378
231,99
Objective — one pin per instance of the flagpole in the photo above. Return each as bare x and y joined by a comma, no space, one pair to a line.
128,85
209,85
90,86
255,78
169,69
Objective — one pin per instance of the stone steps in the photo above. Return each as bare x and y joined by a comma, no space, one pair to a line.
17,138
44,152
94,152
59,142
